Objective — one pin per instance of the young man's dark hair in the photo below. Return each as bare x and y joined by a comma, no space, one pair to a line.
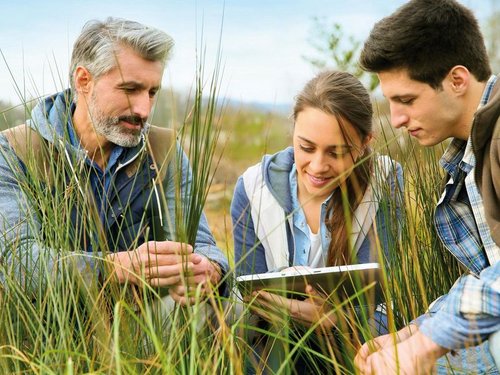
428,38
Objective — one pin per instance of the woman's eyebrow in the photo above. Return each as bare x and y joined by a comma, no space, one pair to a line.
344,147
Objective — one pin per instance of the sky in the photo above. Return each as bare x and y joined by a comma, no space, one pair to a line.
263,42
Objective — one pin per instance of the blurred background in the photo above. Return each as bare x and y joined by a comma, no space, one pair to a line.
269,49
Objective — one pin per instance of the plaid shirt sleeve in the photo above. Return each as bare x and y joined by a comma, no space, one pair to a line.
469,313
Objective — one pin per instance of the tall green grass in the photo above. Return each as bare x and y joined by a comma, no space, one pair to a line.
66,320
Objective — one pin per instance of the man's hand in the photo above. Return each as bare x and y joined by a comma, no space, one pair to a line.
159,263
415,354
204,272
381,342
311,311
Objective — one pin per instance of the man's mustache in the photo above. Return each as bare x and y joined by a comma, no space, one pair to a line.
135,120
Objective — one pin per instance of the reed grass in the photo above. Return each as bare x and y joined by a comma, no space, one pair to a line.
64,319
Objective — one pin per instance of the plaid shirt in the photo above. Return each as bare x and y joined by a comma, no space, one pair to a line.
470,312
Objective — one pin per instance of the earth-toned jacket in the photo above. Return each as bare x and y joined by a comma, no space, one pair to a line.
486,146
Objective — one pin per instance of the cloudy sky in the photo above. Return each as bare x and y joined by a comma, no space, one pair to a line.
263,41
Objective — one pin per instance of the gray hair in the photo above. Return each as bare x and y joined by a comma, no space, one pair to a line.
97,45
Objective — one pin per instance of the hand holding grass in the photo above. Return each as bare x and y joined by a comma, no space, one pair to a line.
204,272
407,352
159,263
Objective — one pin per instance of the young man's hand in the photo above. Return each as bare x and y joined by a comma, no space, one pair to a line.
407,352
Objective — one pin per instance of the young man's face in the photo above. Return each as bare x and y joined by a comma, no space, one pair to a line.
121,99
429,115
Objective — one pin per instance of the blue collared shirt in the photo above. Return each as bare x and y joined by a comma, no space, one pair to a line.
99,180
302,241
470,312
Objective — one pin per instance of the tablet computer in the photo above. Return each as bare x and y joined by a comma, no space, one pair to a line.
340,281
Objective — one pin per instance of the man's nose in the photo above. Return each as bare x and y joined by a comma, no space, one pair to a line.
141,105
398,117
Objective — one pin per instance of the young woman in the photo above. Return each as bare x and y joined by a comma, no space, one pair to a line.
323,202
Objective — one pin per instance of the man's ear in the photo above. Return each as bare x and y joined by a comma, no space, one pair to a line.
83,80
459,79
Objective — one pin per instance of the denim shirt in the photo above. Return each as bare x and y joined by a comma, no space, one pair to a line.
99,180
302,241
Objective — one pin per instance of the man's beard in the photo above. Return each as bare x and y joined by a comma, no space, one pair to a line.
109,126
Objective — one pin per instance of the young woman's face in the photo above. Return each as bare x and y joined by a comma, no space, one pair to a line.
324,152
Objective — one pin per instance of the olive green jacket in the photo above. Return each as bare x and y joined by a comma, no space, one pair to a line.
486,145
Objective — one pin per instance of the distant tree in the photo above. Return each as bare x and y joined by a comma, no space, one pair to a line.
11,116
337,51
491,33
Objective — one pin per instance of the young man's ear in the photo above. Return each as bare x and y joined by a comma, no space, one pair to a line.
83,80
459,79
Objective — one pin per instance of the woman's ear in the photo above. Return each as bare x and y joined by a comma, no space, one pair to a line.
367,140
83,80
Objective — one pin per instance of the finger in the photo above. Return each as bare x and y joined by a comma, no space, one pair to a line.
314,296
164,281
274,299
360,364
169,247
207,268
195,258
183,289
364,351
263,311
179,270
381,362
181,300
196,280
270,307
153,259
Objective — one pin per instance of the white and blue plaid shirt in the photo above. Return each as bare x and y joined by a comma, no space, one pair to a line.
470,312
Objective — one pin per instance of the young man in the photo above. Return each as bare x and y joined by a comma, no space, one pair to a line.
93,143
433,69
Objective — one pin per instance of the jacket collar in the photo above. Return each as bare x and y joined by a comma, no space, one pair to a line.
51,116
483,124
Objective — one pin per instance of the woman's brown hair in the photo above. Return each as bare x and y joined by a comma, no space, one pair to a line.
342,95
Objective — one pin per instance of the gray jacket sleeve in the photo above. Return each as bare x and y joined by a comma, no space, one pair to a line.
26,258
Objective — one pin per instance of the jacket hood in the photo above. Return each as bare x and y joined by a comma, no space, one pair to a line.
50,116
276,171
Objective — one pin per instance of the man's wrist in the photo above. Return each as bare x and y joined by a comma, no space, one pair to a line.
426,347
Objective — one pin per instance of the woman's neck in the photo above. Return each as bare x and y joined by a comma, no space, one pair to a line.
312,212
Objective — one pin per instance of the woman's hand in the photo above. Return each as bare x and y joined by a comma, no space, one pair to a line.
313,311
